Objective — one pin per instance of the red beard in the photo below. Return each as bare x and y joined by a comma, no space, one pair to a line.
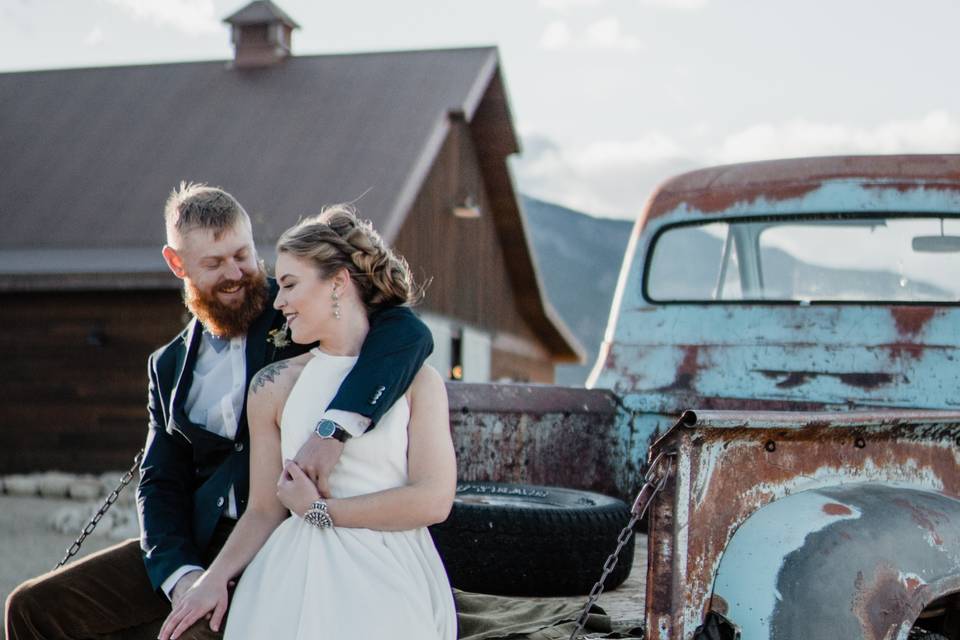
222,320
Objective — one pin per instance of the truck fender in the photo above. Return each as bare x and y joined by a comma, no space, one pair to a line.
849,561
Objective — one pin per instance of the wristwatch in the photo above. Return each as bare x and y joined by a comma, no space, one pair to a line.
330,429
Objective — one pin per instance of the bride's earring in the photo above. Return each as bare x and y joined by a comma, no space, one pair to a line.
336,303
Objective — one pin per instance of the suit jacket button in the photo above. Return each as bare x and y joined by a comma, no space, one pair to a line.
220,501
238,447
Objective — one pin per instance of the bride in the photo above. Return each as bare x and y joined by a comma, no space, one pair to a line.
358,562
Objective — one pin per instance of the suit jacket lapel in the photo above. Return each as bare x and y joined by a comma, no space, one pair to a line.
183,376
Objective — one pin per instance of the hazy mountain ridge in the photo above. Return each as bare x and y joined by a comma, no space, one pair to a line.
578,257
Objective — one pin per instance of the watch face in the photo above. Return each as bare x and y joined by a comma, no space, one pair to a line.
326,428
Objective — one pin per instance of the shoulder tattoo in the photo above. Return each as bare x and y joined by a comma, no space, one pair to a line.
267,374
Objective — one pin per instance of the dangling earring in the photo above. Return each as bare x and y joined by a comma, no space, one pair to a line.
336,303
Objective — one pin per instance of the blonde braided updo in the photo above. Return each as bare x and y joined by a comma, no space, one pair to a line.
337,238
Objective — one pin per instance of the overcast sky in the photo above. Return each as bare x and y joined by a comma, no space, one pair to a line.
610,96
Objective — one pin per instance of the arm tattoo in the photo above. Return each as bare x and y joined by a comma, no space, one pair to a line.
267,374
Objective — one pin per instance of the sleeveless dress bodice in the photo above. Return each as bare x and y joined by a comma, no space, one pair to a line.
342,583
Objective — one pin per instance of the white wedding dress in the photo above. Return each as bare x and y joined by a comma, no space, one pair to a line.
340,583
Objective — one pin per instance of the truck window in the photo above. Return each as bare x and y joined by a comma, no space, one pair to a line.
899,258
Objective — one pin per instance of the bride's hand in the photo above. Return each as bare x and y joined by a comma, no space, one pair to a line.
294,489
206,595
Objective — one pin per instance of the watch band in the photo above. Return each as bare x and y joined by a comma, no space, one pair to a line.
327,428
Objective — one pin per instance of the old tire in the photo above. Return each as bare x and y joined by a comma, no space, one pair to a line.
528,540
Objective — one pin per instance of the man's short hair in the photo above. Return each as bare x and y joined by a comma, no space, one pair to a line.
195,205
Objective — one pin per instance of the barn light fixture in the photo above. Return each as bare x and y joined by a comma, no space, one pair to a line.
469,208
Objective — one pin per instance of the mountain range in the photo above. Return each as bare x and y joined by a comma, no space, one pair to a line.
578,257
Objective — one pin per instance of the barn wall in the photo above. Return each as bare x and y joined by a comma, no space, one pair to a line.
73,382
465,264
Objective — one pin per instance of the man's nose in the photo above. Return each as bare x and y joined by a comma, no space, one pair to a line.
233,271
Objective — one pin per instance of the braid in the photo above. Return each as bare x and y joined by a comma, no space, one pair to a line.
336,239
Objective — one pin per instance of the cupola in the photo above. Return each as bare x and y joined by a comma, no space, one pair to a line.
260,33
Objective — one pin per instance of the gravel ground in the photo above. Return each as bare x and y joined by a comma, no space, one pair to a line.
30,544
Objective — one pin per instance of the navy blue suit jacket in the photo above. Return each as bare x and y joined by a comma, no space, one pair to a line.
187,471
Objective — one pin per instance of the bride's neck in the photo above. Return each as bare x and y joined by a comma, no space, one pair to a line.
347,339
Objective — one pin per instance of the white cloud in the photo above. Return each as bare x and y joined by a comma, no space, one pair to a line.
684,5
615,177
606,34
605,155
566,5
605,178
555,36
602,34
93,37
936,132
569,5
193,17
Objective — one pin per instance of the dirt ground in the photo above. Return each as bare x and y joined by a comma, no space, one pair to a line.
29,545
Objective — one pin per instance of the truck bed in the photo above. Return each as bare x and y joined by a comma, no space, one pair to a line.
625,604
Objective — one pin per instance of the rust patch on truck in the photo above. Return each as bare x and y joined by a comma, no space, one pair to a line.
534,434
925,518
910,321
712,200
792,379
836,509
687,370
881,602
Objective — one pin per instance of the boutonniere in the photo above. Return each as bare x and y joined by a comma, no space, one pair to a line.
279,338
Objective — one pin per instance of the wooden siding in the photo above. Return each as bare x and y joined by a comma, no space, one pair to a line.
508,365
464,258
73,382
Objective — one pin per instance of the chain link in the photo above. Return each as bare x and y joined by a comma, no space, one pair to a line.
652,485
111,498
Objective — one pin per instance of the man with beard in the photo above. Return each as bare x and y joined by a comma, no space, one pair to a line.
195,472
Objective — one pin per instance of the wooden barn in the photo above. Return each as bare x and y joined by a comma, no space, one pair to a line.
418,139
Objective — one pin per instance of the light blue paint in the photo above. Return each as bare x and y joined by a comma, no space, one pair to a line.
661,359
747,577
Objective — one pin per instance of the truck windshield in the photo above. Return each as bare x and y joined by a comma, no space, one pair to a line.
835,258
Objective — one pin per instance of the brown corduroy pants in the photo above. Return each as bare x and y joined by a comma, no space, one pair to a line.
106,595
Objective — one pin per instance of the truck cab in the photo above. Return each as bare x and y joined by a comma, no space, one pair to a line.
802,317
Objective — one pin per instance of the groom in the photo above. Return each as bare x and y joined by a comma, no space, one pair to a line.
194,477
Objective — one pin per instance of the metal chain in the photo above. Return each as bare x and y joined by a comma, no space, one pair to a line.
111,498
652,485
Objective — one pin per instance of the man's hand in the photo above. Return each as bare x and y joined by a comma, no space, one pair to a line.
183,585
317,457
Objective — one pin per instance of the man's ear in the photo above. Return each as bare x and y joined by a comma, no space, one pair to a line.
174,261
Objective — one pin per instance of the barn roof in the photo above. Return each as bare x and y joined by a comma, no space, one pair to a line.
89,155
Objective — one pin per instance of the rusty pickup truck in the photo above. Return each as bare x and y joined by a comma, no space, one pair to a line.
783,355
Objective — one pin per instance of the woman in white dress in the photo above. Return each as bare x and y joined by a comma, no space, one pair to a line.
359,562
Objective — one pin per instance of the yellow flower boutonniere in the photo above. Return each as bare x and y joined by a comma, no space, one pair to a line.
279,338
